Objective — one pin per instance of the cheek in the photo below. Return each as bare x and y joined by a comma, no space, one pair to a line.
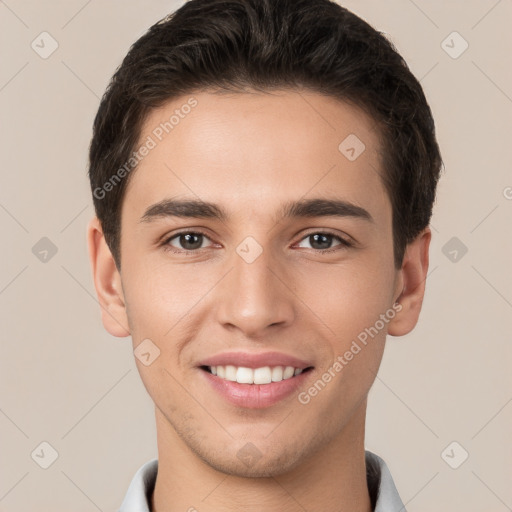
162,304
347,298
159,294
350,305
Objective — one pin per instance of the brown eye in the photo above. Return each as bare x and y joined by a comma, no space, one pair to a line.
187,241
322,242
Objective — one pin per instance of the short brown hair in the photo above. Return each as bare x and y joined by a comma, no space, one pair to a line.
263,45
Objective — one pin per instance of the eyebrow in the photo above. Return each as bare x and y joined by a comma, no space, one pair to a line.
304,208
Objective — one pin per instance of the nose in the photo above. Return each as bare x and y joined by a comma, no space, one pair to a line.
255,296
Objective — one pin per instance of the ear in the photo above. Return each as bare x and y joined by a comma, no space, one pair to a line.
411,281
107,282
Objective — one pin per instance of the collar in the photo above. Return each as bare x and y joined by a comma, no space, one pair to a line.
383,493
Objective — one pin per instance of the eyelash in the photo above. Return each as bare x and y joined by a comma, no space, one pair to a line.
344,244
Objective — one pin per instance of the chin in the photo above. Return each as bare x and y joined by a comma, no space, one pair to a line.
249,462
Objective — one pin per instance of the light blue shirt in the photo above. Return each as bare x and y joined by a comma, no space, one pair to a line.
137,498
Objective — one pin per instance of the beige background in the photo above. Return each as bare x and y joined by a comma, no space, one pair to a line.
64,380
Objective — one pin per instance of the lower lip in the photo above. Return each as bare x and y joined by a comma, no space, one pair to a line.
256,396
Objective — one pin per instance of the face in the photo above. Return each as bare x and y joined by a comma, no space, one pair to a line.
287,261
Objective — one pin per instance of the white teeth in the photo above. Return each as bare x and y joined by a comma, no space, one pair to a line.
230,373
288,372
277,373
244,375
263,375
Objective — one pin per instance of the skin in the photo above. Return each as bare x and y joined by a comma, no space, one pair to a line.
250,153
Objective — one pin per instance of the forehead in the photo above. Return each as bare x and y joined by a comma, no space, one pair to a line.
257,149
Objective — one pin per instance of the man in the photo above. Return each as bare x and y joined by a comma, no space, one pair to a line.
263,174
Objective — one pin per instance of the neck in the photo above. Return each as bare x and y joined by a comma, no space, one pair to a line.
331,480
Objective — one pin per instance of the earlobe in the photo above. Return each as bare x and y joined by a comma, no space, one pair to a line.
107,282
413,276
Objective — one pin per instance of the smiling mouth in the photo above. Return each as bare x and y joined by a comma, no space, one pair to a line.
263,375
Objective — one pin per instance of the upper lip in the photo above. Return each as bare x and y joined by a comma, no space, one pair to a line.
253,360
